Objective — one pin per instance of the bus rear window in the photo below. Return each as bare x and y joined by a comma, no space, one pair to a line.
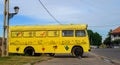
80,33
67,33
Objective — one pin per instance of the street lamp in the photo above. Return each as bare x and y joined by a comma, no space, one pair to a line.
16,9
10,15
7,16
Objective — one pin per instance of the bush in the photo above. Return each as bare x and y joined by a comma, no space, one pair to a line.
117,41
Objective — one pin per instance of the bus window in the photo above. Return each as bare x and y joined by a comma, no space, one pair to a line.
16,34
53,33
28,34
67,33
40,33
80,33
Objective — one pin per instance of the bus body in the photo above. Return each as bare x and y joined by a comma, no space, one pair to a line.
49,39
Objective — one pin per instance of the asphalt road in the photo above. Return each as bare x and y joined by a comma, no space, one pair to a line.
88,59
111,53
95,57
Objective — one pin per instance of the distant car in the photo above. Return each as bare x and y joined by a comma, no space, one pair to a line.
116,47
93,47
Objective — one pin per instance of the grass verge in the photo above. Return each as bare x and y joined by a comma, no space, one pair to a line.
20,60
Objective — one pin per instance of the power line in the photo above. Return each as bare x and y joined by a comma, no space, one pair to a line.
48,11
105,25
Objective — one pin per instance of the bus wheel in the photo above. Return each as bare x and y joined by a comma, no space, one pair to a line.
77,51
29,51
51,54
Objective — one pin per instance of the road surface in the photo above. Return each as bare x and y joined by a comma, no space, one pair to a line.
111,53
88,59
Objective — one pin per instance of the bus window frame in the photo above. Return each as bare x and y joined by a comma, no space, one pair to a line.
67,36
40,36
29,36
53,30
16,36
80,35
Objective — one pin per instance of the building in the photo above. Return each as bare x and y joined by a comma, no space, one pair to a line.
115,34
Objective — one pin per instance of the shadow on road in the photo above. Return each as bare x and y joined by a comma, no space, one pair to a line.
85,55
64,56
70,56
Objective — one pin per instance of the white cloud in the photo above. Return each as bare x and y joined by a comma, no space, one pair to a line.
34,10
92,12
73,11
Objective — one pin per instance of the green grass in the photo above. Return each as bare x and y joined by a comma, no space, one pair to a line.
20,60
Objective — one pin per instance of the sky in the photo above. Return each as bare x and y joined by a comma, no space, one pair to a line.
100,15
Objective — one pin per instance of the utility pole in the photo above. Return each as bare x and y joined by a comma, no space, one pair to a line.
7,16
4,43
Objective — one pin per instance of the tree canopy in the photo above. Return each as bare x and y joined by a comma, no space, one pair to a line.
107,40
95,38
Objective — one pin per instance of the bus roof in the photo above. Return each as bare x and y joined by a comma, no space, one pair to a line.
50,27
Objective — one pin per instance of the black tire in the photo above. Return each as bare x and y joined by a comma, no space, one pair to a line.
29,51
77,51
51,54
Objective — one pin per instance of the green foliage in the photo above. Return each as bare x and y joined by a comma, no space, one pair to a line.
95,38
117,41
102,46
90,34
21,60
107,41
4,58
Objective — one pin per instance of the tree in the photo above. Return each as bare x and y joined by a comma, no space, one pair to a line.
116,41
90,34
107,40
95,38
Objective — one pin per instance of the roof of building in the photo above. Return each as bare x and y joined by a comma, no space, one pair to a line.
117,30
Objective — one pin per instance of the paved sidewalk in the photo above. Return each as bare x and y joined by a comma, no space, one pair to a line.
88,59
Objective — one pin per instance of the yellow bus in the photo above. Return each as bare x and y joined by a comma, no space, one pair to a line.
49,39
